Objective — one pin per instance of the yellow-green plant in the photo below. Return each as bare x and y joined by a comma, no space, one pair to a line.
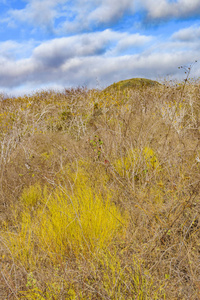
83,220
137,162
53,290
150,158
131,280
32,195
79,222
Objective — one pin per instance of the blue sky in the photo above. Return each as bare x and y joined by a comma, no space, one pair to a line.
55,43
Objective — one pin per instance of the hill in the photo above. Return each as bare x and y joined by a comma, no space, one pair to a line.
132,84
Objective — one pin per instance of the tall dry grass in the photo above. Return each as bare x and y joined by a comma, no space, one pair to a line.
99,194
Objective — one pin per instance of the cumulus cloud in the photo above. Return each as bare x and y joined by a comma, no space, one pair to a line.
60,16
15,73
9,49
84,15
61,57
79,60
65,16
38,13
110,10
56,51
84,71
13,50
130,42
190,34
164,9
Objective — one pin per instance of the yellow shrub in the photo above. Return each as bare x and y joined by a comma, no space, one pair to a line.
66,222
150,158
136,161
82,221
124,164
31,195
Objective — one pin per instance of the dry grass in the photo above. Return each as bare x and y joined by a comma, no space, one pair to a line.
99,194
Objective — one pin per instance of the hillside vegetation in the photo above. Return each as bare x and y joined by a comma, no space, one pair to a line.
99,194
132,83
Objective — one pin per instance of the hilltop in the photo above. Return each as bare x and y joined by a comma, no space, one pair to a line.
132,84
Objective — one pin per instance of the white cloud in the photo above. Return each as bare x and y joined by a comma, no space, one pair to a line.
92,13
14,50
56,52
9,48
163,9
39,13
131,42
81,58
15,73
76,15
65,16
54,64
190,34
110,10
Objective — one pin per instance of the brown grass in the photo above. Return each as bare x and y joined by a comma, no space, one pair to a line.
99,194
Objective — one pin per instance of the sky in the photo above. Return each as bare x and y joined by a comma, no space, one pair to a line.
56,44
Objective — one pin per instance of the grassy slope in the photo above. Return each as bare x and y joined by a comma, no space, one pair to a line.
132,84
99,194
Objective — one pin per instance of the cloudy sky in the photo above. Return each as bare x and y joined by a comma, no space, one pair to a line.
56,43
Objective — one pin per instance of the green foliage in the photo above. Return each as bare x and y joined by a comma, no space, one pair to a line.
97,146
132,83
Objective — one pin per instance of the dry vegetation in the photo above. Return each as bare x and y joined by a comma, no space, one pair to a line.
99,194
